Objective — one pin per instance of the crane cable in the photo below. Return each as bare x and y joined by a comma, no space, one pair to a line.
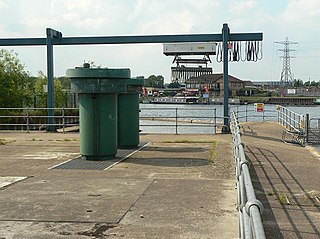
246,51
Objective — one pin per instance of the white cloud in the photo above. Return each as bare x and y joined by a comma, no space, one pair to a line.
297,19
242,8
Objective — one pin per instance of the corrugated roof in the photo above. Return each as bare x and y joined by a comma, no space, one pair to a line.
213,78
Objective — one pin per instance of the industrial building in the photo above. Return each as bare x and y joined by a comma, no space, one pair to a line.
212,85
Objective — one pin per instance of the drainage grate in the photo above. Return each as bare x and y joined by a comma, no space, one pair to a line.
82,164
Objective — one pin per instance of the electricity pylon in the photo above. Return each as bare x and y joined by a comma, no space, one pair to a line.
286,74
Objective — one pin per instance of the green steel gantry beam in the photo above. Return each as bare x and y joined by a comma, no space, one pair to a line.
55,38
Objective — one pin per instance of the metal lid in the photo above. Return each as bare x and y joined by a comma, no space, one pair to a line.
100,73
98,80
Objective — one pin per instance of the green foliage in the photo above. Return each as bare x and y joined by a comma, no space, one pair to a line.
154,81
2,141
283,199
16,87
60,94
212,152
174,85
297,83
312,83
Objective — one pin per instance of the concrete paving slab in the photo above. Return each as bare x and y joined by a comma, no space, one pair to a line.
89,204
69,199
8,180
281,171
165,205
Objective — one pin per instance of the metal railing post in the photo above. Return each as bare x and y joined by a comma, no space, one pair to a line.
63,121
215,120
28,128
290,119
307,127
176,120
246,113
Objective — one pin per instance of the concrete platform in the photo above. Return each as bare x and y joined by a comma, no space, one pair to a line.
166,190
286,180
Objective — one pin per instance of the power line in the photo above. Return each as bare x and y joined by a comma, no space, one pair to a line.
286,74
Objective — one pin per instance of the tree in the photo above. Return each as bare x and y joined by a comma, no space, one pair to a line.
154,81
16,87
297,83
174,85
60,94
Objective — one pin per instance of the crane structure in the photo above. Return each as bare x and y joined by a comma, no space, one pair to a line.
286,77
183,71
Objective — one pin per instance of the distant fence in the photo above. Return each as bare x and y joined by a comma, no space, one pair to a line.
249,208
170,120
313,131
249,113
28,119
180,120
296,125
299,128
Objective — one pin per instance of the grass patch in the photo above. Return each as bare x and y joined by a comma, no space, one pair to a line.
212,152
2,141
67,140
283,199
270,193
188,141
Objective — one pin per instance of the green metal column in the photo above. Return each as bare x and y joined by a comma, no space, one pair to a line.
128,114
225,39
98,89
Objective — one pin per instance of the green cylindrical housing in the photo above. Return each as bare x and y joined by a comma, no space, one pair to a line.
128,114
98,126
98,89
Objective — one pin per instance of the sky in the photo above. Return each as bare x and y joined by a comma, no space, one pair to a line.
299,20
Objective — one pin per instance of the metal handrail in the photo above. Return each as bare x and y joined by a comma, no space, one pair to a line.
291,120
61,119
25,114
249,207
171,114
251,112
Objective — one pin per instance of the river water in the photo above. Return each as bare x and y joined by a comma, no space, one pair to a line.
194,111
181,115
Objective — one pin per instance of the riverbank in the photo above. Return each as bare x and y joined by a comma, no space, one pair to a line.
285,101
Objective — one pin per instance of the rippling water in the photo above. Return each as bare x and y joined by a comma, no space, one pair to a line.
200,113
208,111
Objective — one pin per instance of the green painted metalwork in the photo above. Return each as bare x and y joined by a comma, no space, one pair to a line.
128,114
225,36
98,126
98,89
55,38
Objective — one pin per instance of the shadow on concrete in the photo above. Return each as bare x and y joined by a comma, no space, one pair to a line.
169,162
176,149
247,130
272,229
263,137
